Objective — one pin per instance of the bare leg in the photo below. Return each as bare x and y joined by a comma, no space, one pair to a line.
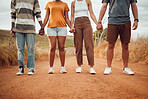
52,50
61,45
125,54
110,53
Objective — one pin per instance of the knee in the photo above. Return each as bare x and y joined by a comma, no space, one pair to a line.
53,48
125,46
30,51
61,48
111,45
20,49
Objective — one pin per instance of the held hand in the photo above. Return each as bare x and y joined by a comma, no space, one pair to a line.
135,25
41,32
99,26
72,30
12,33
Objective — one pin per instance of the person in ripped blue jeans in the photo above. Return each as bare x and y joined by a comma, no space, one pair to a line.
23,15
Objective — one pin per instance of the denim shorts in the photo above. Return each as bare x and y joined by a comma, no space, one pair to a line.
57,31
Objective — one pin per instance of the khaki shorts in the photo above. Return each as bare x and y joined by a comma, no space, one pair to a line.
124,30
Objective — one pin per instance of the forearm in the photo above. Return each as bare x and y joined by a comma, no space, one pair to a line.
102,12
68,23
40,22
135,11
72,21
12,25
45,21
94,18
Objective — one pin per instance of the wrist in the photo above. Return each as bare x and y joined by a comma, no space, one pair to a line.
136,20
12,30
99,22
72,26
42,28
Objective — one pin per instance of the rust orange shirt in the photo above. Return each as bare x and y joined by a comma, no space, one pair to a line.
56,17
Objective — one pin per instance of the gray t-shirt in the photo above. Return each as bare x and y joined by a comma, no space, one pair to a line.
119,11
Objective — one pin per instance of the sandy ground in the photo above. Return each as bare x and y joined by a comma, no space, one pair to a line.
75,86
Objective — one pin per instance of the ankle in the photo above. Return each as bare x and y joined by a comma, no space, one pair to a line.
91,66
125,66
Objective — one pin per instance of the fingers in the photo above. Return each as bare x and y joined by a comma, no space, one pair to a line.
72,30
99,27
135,25
41,32
12,33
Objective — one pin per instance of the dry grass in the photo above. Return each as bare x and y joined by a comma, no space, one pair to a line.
8,50
8,54
138,51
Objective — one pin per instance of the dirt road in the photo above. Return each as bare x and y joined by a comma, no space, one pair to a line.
75,86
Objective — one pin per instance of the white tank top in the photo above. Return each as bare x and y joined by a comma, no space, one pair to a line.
81,9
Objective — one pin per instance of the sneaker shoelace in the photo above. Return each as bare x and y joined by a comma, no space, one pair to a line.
128,69
31,70
20,69
108,69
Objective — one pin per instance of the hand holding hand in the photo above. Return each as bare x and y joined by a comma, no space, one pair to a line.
72,30
99,26
41,32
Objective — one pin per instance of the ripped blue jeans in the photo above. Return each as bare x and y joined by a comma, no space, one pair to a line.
30,42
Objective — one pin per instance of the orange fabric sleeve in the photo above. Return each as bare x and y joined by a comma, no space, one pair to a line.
47,6
66,8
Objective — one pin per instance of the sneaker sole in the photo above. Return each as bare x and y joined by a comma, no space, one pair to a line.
93,73
63,72
50,72
107,73
128,73
31,74
19,74
78,71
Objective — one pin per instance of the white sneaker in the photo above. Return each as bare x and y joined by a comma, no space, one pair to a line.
107,71
92,71
31,71
51,71
79,70
63,70
21,71
127,70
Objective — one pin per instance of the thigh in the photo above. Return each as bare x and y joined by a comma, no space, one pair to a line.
125,33
78,35
62,31
112,33
61,41
52,40
88,34
88,37
51,31
20,40
30,40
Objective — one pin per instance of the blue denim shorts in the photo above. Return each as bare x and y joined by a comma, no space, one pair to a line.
57,31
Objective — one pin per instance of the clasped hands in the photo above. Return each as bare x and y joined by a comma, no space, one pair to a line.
41,31
72,29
